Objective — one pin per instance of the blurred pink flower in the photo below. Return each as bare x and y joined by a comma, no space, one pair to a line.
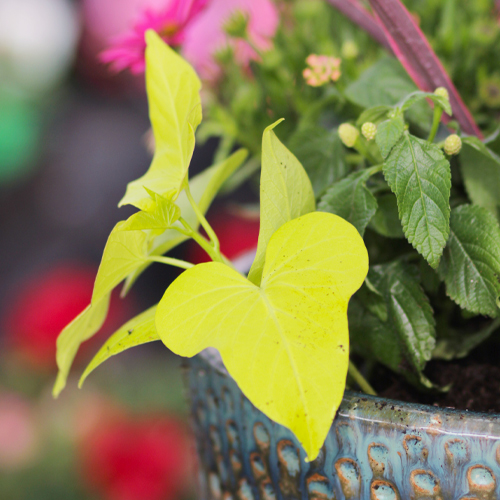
170,22
205,36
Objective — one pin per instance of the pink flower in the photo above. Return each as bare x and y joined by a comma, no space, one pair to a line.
205,36
321,70
170,23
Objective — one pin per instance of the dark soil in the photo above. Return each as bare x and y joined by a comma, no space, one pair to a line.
475,383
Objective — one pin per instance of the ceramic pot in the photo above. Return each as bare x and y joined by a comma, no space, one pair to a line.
377,449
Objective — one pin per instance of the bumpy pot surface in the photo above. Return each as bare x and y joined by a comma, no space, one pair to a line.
377,449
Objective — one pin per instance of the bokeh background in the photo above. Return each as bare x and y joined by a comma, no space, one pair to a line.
72,134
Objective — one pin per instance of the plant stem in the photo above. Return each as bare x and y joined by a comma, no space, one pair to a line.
169,260
438,111
215,256
360,380
204,223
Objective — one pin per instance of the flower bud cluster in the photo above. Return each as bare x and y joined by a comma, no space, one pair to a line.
452,145
321,70
369,131
348,134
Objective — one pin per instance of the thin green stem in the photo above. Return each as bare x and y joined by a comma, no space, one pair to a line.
360,380
204,223
438,112
172,262
205,244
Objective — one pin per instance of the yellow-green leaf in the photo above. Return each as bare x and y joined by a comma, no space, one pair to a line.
285,194
86,324
203,187
137,331
173,90
124,252
161,215
286,341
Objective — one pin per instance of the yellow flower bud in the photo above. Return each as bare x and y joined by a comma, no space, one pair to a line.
441,91
348,134
452,144
369,130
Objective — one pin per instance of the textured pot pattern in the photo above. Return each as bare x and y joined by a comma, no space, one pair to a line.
377,449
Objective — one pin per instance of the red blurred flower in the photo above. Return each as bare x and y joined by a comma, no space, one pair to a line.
238,232
127,50
142,459
46,303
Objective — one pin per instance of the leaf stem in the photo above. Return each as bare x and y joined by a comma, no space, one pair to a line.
204,223
169,260
360,380
436,120
215,256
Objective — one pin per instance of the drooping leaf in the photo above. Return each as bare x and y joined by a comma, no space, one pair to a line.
481,173
84,326
139,330
203,187
351,200
470,266
286,342
458,345
406,340
420,177
175,111
388,134
124,252
322,155
161,215
386,219
418,96
285,193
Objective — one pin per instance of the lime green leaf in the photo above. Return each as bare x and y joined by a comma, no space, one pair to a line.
173,90
86,324
322,154
418,96
386,219
351,200
286,342
406,340
481,173
124,252
470,266
376,114
204,187
161,215
388,134
285,193
420,177
139,330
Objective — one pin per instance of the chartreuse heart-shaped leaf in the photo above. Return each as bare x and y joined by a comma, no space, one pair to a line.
173,90
285,193
420,177
86,324
286,341
137,331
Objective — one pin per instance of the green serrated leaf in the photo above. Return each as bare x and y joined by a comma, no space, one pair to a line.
418,96
470,266
376,114
373,300
84,326
406,340
139,330
386,219
351,200
285,194
420,177
481,174
322,155
388,134
161,215
204,187
173,90
280,340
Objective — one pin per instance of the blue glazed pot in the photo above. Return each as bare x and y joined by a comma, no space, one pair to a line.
377,449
